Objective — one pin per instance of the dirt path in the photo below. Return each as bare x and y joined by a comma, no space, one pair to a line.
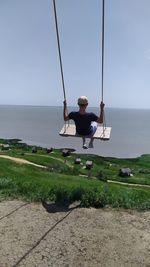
31,236
55,158
129,184
22,161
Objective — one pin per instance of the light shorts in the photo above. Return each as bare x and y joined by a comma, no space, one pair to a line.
93,127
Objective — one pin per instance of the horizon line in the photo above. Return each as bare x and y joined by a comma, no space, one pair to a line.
29,105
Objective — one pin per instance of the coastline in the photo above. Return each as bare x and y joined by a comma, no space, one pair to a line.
41,126
78,149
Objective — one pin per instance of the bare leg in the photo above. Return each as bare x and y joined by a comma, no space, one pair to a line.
84,143
94,128
83,139
91,143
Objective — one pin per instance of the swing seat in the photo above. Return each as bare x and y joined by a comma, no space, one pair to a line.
102,133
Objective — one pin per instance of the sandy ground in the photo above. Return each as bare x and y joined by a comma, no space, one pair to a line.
32,236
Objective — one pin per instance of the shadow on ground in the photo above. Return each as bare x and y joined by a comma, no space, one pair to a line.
56,207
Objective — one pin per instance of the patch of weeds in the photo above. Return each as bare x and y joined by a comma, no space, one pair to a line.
62,196
61,168
94,198
26,188
77,194
101,176
56,167
6,183
145,205
144,171
72,171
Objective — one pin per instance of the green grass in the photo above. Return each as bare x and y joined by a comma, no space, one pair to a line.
62,182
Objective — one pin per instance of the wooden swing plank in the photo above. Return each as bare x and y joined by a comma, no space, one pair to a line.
101,132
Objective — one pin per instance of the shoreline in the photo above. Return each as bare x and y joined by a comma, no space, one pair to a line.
76,151
40,126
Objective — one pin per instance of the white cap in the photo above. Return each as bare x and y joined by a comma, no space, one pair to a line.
82,100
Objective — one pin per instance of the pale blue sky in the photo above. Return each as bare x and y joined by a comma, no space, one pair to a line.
29,66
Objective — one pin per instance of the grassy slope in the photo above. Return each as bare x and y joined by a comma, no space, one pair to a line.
61,182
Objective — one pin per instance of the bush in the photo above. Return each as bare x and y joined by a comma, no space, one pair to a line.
77,194
100,176
34,149
62,196
94,198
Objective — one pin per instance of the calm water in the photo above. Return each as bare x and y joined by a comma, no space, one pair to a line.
130,135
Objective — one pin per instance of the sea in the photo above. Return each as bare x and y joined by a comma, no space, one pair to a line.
40,125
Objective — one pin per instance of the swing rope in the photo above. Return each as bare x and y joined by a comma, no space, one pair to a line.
102,67
59,50
60,57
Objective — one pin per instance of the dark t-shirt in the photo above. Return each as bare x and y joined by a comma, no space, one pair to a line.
83,121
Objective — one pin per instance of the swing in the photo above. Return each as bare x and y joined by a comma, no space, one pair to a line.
102,132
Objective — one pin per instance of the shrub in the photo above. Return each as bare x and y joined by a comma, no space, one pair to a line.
94,198
100,176
34,149
77,194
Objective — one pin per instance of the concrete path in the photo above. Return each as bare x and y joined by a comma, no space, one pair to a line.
32,236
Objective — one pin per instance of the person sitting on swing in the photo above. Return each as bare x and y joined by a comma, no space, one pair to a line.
86,122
